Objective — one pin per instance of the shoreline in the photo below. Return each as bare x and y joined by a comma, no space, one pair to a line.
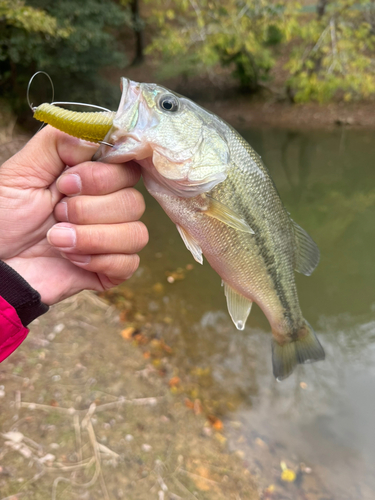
243,111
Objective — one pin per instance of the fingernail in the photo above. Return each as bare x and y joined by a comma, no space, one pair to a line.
69,184
62,236
77,259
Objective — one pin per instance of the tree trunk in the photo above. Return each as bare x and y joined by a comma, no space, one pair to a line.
321,8
138,31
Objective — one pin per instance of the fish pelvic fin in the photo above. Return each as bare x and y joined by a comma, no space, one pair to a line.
239,307
306,348
191,244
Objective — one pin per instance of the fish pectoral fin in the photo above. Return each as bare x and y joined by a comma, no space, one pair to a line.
223,213
306,348
307,251
239,307
191,244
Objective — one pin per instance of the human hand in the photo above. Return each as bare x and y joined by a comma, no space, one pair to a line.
61,244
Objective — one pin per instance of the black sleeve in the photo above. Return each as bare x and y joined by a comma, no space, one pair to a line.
19,294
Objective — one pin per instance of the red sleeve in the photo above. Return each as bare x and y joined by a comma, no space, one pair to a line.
12,332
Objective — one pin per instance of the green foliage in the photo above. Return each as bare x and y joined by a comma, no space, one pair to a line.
70,40
197,36
333,56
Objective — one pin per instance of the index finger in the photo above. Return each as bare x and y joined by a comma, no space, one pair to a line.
96,178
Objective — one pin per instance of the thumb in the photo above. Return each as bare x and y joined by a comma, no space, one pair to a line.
43,158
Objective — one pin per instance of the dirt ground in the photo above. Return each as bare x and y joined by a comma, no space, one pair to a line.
85,415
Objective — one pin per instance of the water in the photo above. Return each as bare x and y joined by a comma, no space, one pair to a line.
323,415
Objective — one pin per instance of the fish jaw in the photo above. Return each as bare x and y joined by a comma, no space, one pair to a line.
125,136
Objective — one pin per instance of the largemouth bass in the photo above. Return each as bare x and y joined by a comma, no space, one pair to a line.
218,192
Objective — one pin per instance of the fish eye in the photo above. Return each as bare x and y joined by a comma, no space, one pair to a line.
169,103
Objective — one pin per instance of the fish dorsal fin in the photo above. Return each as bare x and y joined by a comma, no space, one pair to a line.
223,213
239,307
191,244
307,251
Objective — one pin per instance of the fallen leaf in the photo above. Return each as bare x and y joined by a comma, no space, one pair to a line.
288,475
189,404
216,423
174,382
197,407
127,333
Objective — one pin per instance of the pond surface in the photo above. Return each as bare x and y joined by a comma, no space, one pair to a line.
323,415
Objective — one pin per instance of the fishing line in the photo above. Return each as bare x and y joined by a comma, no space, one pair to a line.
58,103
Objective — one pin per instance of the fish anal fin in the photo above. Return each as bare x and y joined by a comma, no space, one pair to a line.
305,349
239,307
191,244
307,251
223,213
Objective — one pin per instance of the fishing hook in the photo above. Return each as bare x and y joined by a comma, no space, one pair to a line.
29,84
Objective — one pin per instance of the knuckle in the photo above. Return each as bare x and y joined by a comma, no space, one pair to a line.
132,265
98,179
89,239
76,210
140,234
134,202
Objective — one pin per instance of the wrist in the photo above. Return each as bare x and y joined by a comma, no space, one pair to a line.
19,294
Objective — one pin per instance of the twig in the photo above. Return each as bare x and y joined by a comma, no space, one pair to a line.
122,400
77,430
57,409
66,468
107,451
334,45
89,414
90,430
55,483
106,406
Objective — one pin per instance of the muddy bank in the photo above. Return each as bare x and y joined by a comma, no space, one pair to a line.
84,413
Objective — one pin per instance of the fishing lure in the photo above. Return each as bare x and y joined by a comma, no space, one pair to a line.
90,126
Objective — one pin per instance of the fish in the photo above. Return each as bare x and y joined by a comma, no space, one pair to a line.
216,189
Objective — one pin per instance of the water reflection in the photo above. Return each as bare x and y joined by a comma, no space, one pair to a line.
323,414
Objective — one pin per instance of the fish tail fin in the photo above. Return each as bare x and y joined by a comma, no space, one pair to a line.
306,348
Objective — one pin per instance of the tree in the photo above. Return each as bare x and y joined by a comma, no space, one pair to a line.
196,36
333,53
72,41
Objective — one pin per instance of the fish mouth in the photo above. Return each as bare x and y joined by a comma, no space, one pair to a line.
114,140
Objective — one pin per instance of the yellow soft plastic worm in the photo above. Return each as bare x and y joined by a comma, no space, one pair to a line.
91,127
